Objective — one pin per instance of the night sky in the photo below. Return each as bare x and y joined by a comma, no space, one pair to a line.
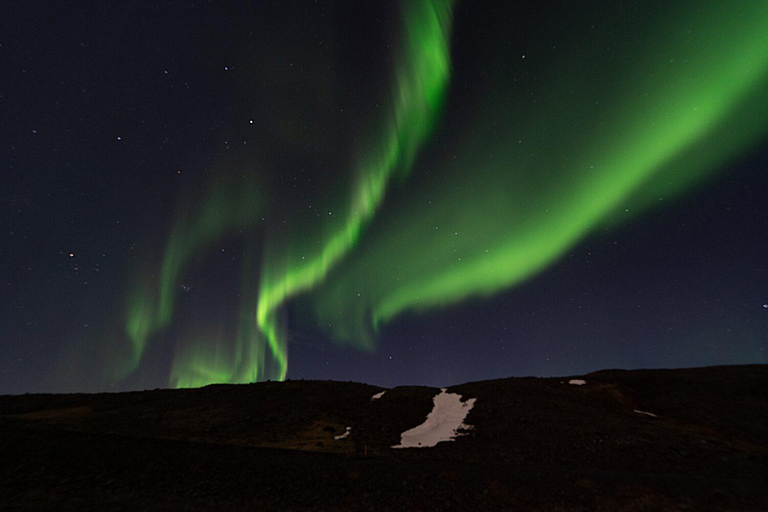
417,192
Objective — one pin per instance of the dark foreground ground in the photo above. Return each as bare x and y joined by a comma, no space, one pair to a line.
537,444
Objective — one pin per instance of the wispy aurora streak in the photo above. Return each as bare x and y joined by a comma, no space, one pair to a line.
622,119
230,206
422,73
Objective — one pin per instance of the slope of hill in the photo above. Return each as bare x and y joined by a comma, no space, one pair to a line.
690,439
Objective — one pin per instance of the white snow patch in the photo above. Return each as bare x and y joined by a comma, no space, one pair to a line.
442,424
646,413
577,382
378,395
344,435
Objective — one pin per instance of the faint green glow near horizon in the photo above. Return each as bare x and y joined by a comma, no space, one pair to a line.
226,357
230,205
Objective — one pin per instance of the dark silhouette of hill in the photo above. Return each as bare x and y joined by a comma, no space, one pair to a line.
689,439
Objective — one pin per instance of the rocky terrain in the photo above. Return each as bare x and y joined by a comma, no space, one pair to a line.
689,439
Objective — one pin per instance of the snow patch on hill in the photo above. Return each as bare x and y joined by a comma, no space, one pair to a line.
442,424
378,395
344,435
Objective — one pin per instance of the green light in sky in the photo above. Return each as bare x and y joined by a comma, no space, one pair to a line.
635,113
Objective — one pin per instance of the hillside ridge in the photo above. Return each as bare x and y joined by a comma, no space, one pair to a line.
679,439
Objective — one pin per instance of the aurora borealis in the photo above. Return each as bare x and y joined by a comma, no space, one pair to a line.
530,201
303,191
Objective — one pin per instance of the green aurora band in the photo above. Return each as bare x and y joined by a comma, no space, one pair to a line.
422,74
625,120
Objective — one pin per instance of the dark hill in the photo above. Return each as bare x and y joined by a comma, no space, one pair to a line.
535,444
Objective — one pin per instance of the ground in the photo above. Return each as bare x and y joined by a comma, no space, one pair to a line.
535,444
